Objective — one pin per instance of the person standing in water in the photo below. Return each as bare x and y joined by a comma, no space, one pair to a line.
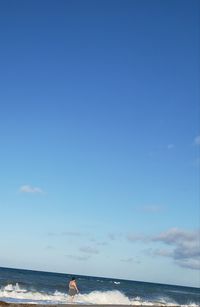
73,290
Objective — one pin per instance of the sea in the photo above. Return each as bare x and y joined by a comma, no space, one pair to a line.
35,287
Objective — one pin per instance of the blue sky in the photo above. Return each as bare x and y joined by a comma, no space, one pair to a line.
100,139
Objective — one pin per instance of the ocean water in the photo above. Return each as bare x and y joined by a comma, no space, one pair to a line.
27,286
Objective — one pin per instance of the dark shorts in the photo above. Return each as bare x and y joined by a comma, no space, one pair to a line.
72,292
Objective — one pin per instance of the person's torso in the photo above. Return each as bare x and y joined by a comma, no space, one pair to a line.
72,285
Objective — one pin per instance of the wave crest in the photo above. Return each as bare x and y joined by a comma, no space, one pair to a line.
16,293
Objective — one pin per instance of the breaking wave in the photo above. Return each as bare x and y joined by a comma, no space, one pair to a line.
16,293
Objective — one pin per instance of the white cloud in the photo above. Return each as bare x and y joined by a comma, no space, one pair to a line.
197,140
30,189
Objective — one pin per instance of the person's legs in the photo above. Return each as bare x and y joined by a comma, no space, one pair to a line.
71,298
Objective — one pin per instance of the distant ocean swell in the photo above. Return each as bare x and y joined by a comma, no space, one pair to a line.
16,293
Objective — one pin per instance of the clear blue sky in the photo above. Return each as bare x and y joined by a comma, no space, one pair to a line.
99,138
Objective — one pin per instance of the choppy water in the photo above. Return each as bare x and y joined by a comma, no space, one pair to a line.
50,288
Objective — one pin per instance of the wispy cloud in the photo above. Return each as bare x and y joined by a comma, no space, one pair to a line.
157,252
137,237
52,234
30,189
112,236
163,252
89,250
65,234
98,242
170,146
71,233
78,258
192,264
152,208
197,140
49,247
127,260
102,243
130,260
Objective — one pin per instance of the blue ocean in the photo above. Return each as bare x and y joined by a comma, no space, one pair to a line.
27,286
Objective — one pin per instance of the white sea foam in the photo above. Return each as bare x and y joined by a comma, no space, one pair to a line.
15,288
106,297
16,293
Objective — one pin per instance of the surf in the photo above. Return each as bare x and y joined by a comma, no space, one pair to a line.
19,294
